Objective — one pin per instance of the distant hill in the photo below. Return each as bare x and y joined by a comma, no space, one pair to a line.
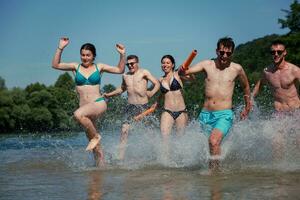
254,56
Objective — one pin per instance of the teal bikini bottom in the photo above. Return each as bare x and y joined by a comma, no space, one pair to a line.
100,99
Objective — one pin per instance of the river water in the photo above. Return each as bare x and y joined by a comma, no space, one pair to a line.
56,166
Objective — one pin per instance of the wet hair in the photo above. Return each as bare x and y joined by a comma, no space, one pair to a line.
133,57
226,42
169,57
89,46
278,42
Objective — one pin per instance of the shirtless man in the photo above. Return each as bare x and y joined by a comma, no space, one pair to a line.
282,77
217,115
135,82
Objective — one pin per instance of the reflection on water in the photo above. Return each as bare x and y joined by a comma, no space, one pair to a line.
57,167
215,188
95,185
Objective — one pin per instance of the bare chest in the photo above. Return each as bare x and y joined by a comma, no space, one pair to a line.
135,80
280,79
220,77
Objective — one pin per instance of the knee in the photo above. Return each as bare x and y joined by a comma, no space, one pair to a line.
125,129
78,116
163,131
180,130
214,142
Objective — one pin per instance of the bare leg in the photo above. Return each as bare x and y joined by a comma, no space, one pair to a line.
99,156
93,142
90,130
215,149
123,140
86,116
95,182
98,152
278,147
166,123
181,123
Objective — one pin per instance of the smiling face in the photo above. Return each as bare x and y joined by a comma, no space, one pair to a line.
278,53
224,55
167,65
87,57
132,65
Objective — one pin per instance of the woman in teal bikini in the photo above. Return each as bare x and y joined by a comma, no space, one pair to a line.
88,79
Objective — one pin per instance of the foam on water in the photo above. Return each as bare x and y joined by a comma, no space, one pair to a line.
249,145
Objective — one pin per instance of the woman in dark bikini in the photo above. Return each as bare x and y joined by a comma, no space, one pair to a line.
174,109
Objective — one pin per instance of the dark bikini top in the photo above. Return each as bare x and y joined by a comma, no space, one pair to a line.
175,85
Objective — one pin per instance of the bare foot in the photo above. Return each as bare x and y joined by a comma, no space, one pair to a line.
93,143
99,158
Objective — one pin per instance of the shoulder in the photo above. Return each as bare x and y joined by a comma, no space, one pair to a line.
294,67
205,63
100,66
236,66
237,69
126,74
145,71
295,70
75,65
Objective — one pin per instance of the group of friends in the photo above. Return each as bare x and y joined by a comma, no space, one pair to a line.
216,116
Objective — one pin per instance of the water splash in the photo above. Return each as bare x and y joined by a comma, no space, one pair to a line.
249,145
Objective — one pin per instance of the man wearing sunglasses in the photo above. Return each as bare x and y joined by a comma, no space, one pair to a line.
135,82
282,77
216,116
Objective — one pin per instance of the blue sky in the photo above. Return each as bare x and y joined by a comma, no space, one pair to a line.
30,30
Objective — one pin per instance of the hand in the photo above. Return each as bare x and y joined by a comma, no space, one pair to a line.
251,104
190,77
138,117
245,112
154,106
63,42
181,71
121,49
149,94
105,95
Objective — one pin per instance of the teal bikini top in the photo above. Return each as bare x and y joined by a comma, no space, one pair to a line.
93,79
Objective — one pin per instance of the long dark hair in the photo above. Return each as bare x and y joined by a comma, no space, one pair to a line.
171,58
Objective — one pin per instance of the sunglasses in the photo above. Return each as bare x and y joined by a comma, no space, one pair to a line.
130,64
228,53
279,52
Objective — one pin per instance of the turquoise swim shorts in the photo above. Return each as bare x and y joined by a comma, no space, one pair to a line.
220,119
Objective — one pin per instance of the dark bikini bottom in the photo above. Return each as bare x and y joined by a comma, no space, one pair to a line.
175,114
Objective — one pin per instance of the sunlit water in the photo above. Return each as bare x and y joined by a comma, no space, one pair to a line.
56,166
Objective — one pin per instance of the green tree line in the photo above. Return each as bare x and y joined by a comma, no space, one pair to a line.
40,108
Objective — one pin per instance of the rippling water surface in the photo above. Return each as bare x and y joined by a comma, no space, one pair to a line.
56,166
